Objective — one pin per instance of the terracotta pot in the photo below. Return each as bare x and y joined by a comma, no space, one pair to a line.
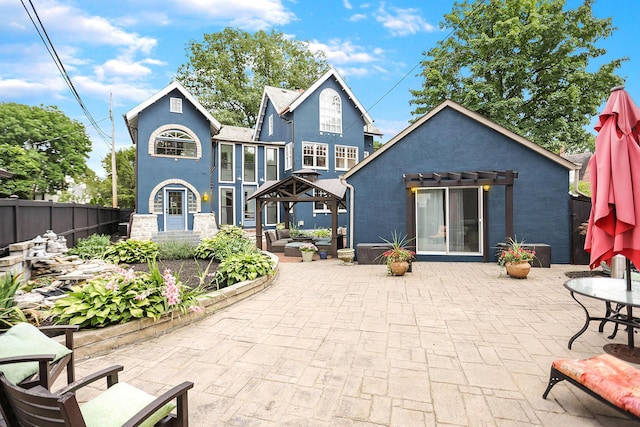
518,270
398,268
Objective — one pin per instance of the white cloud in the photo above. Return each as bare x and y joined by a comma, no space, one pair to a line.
347,5
345,52
402,22
248,15
357,17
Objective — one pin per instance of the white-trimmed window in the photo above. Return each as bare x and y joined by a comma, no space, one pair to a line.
346,157
321,207
175,105
330,111
271,164
227,216
314,155
270,124
175,143
271,213
288,156
249,154
226,163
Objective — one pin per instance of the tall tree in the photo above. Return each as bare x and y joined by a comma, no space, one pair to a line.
523,64
24,164
59,144
227,71
100,189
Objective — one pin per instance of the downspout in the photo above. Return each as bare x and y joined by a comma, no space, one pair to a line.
351,207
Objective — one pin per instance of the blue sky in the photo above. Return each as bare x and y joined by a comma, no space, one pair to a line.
132,49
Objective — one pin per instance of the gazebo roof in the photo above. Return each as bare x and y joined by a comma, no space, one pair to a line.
295,188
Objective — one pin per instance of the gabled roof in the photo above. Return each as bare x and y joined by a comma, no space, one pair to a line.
331,73
473,115
285,100
131,117
293,186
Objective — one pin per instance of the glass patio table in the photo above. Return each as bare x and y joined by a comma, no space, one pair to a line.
616,297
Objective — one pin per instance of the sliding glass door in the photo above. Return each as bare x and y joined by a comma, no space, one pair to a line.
448,220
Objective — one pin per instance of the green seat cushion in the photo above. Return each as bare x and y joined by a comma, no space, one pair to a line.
24,339
116,405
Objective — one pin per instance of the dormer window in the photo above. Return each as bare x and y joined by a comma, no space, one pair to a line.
175,105
330,111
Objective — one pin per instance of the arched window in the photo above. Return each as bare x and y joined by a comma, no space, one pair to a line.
330,111
175,143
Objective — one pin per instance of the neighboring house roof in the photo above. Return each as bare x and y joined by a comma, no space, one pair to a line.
285,100
5,173
582,160
131,117
474,116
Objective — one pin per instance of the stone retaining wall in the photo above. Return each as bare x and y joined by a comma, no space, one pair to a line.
94,342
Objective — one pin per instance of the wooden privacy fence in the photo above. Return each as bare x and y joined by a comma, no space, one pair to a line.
580,210
22,220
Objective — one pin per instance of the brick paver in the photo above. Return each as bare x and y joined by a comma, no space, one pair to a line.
450,344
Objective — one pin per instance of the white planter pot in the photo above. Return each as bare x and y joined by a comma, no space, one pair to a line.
307,256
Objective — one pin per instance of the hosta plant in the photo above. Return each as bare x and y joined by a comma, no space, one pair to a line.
123,296
132,252
239,267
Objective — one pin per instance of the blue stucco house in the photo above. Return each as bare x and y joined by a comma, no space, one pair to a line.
460,184
195,174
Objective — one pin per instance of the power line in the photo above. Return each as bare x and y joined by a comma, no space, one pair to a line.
42,32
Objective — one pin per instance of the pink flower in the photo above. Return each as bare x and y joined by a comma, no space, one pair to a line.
196,309
171,290
112,285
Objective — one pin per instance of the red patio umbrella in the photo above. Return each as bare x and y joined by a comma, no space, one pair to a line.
615,183
614,222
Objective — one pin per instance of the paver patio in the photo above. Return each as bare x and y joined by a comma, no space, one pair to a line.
450,344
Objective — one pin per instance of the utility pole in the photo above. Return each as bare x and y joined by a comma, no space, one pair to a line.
114,177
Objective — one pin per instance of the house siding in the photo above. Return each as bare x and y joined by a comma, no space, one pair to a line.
450,142
152,170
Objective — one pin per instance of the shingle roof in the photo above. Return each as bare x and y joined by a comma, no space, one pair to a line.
234,133
281,98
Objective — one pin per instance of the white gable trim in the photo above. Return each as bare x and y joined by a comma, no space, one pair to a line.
473,115
132,114
331,73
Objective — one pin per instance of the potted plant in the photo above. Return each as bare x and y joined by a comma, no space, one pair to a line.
398,257
307,250
516,259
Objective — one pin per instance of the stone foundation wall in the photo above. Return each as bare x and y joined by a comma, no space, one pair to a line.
205,225
143,226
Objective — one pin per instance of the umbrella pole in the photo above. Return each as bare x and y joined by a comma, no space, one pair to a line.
630,329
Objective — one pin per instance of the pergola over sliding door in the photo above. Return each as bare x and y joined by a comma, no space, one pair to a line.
447,212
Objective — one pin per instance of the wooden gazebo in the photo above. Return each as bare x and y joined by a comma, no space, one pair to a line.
299,187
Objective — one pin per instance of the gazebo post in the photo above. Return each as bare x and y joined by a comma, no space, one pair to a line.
334,226
259,206
287,215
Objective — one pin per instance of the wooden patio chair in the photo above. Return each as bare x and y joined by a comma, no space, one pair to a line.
25,339
119,405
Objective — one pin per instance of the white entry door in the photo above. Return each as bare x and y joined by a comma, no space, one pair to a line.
175,209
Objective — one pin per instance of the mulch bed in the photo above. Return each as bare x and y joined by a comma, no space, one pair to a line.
188,270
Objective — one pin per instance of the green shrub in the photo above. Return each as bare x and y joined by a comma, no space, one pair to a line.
132,252
231,231
322,233
92,247
243,266
176,249
124,296
222,245
9,313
